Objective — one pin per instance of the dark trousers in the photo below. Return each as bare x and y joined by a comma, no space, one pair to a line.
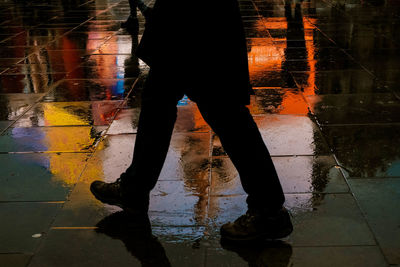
233,124
133,4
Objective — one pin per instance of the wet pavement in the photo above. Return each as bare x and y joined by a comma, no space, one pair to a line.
326,75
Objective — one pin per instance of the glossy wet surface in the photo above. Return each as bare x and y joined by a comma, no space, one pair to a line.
327,102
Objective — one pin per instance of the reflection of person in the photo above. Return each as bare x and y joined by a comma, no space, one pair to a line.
272,253
137,238
207,61
132,23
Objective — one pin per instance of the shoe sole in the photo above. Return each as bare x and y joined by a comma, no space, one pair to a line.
106,200
113,203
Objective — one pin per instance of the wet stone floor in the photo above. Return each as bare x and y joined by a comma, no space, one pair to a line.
326,75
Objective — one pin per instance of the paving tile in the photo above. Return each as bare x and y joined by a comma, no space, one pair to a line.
378,60
189,118
15,260
50,139
282,254
45,32
278,101
327,220
115,59
125,122
319,220
22,220
37,68
379,198
117,247
302,174
14,105
76,42
180,235
25,39
183,180
96,113
338,82
34,83
338,256
184,207
261,77
366,151
15,51
287,135
223,209
4,125
355,108
263,254
130,70
120,44
86,246
82,209
112,157
89,90
182,254
8,62
311,53
44,177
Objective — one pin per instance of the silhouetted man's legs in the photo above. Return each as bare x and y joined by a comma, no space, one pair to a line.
244,145
132,23
156,123
240,138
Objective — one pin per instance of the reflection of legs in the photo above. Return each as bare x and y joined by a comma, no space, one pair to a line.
243,143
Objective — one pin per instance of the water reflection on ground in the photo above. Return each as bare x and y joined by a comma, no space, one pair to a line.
325,75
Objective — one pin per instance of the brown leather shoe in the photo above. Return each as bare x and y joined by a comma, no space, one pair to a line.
255,225
114,194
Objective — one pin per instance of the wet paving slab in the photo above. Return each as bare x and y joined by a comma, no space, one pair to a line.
355,108
45,177
366,150
17,259
301,174
278,101
378,200
189,118
50,139
265,78
28,83
326,57
31,68
4,125
73,89
116,249
282,254
125,122
21,221
185,177
338,82
23,39
15,105
287,135
97,113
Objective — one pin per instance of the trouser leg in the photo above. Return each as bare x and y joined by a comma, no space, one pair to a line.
133,5
156,123
244,145
141,5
